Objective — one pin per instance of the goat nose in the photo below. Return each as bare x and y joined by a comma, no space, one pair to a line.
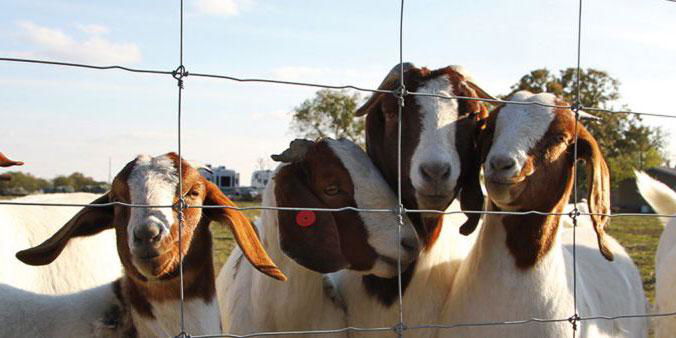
502,163
149,233
410,244
435,171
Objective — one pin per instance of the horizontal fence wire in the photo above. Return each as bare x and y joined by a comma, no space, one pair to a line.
328,86
181,73
394,210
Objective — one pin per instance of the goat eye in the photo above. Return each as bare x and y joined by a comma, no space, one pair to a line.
331,190
194,193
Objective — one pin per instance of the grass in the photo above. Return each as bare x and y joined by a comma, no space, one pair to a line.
639,235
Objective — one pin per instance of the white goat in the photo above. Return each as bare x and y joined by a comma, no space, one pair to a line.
76,269
518,269
145,301
323,174
663,200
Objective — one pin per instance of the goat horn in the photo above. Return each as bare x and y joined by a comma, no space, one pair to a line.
296,152
391,77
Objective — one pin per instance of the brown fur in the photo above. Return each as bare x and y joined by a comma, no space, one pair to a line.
336,240
382,147
546,182
140,289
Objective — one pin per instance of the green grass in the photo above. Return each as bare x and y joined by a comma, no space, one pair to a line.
223,240
639,235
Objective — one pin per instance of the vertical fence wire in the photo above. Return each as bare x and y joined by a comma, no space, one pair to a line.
400,207
576,109
180,72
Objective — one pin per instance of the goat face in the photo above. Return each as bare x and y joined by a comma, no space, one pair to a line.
147,238
437,154
529,159
337,174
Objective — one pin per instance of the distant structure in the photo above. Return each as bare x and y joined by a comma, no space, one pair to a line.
626,196
222,177
260,178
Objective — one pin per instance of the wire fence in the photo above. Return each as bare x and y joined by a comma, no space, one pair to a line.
181,73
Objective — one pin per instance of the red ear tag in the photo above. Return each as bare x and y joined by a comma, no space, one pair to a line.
306,218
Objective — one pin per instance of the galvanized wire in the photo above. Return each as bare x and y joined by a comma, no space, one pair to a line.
399,210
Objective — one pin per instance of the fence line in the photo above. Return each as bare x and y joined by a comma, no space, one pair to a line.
180,73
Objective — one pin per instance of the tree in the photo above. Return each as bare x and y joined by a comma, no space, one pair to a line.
626,142
329,114
27,182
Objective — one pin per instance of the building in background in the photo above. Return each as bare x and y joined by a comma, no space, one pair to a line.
221,176
260,178
626,196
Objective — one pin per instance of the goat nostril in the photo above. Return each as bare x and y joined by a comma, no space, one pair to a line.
502,163
148,233
409,244
435,171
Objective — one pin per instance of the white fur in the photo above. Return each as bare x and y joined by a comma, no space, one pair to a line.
79,266
437,137
251,302
663,200
527,125
424,297
27,314
489,287
152,181
80,314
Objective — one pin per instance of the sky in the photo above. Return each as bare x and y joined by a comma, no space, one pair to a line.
60,120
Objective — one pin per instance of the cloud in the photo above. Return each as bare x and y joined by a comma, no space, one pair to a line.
93,29
55,44
222,7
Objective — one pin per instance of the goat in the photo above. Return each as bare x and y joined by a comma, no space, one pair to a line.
75,270
518,268
145,301
663,200
437,164
307,245
5,162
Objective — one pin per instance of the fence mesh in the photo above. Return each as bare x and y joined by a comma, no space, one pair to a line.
181,73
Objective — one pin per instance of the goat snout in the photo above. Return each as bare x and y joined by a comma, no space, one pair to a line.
150,233
435,172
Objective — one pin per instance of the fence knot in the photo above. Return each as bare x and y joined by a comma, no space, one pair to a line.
576,107
399,328
575,213
573,321
400,93
178,74
183,334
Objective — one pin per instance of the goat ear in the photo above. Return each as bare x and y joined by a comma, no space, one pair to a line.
599,186
5,162
310,238
471,195
370,104
242,229
89,221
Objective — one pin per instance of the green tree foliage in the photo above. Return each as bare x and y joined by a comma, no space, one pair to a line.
330,113
28,182
626,142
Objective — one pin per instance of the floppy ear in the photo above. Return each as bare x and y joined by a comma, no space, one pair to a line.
308,237
242,229
471,195
5,162
599,186
478,108
89,221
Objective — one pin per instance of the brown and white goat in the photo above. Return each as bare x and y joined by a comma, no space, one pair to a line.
147,296
438,163
5,162
309,244
518,268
